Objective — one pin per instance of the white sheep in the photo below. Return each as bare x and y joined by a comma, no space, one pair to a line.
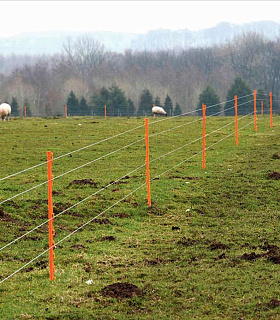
5,111
158,110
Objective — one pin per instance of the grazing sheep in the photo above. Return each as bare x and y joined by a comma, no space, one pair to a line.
5,111
158,110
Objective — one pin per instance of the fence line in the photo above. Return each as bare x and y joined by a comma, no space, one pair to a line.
90,162
196,110
104,140
72,170
200,152
71,207
69,235
113,205
112,183
71,152
200,119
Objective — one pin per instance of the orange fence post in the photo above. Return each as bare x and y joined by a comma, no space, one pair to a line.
50,216
262,107
66,115
203,136
105,111
24,108
236,122
147,162
255,109
270,100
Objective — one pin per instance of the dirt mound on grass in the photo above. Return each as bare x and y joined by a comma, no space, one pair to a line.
275,156
121,291
273,303
217,246
6,217
103,221
121,215
250,256
83,182
274,175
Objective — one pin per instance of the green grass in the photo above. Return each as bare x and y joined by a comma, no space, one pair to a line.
194,271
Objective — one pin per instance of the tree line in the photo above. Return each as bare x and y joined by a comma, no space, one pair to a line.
92,77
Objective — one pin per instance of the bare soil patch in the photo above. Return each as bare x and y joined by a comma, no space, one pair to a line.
108,238
38,265
121,291
6,217
250,256
273,303
275,156
274,175
121,215
56,193
272,254
103,221
83,182
217,246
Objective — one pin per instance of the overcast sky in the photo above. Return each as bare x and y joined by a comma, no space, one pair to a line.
129,16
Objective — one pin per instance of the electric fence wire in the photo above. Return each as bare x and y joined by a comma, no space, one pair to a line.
72,170
71,152
197,110
106,155
197,120
129,173
98,142
113,205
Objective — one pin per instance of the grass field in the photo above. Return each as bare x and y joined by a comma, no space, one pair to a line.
208,248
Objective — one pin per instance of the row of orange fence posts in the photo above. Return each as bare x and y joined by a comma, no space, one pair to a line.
105,107
50,159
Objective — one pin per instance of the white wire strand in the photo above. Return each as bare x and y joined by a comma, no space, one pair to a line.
71,207
199,152
200,119
70,234
88,222
98,142
71,152
90,162
208,134
196,110
72,170
112,183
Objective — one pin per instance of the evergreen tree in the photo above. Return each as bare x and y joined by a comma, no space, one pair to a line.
14,107
99,100
114,99
168,106
177,110
241,89
145,104
210,98
118,105
72,104
84,108
157,101
131,108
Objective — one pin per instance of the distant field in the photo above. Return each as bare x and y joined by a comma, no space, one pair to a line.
208,248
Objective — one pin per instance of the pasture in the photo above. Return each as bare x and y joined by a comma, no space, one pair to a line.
207,248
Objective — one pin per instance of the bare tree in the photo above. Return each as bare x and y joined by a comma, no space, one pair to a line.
84,55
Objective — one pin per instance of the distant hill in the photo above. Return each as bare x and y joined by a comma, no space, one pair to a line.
51,42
